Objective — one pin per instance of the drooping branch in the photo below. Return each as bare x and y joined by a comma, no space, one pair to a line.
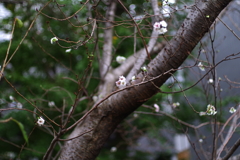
104,118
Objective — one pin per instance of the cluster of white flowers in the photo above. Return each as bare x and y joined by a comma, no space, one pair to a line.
120,59
19,105
53,40
232,110
40,121
156,107
176,104
160,27
14,103
201,67
166,9
211,110
51,104
121,83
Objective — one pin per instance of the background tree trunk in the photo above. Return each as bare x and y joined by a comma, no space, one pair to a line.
104,117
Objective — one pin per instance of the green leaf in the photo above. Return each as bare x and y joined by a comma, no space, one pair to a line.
22,130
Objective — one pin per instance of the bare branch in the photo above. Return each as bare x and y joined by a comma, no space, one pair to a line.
232,150
106,59
231,130
152,42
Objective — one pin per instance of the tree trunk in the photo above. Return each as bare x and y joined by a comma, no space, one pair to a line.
104,118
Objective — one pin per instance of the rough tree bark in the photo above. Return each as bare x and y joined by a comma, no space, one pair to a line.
104,118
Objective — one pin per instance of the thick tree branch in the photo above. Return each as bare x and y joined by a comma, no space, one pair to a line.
105,117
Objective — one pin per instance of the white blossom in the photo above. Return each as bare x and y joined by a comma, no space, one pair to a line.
156,107
95,98
135,115
113,149
120,59
232,110
200,140
11,98
51,104
211,110
160,27
121,83
68,50
133,78
144,69
210,81
19,105
40,121
166,9
176,104
167,2
53,40
201,67
162,31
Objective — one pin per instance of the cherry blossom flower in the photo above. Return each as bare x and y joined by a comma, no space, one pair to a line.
144,69
133,78
120,59
53,40
160,27
211,110
40,121
95,98
210,81
19,105
176,104
11,98
121,83
113,149
51,104
201,67
135,115
68,50
156,107
166,9
232,110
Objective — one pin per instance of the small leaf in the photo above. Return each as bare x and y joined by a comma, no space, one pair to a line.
22,130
